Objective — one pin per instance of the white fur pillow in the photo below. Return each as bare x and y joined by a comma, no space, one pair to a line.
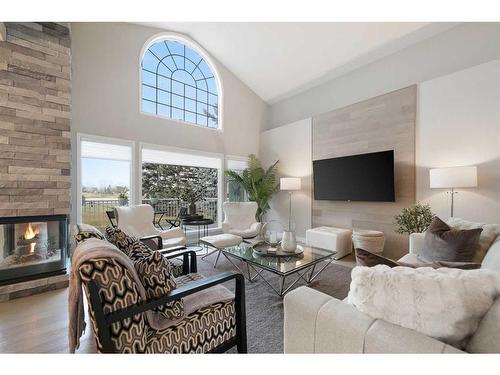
443,303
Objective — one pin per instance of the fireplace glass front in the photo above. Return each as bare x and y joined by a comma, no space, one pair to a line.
32,246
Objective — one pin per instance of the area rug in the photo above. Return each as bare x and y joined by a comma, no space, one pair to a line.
265,308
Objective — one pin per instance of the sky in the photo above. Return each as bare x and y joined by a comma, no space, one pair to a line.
101,173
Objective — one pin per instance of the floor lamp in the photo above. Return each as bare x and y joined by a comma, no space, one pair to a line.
452,178
290,184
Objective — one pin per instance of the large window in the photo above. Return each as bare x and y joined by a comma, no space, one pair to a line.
178,179
105,178
178,83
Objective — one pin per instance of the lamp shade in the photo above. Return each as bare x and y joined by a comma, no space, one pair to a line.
455,177
290,183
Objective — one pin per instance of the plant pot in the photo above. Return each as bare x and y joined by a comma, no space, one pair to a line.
192,209
122,201
153,201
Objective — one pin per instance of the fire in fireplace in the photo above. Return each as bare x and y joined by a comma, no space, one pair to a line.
32,247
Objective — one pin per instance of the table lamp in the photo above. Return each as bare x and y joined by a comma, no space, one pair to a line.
451,178
290,184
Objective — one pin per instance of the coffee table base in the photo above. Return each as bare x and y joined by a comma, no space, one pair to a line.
307,274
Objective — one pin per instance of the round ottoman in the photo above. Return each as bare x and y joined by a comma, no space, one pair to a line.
369,240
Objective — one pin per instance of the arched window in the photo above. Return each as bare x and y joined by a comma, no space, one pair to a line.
178,83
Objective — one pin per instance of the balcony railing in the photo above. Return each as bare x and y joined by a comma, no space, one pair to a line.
94,209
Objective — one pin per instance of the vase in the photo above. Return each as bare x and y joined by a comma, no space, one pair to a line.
289,242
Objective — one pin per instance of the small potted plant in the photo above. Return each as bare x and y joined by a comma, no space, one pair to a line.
153,200
123,198
414,219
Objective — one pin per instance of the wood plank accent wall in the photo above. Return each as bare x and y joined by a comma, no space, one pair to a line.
35,113
386,122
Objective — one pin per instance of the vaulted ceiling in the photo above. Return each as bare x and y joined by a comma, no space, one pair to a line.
277,60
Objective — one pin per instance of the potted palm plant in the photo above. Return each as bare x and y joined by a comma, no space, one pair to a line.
259,183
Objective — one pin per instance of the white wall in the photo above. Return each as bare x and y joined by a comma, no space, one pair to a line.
459,125
106,90
458,48
291,145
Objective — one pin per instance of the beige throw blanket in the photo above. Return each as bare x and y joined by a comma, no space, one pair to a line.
96,249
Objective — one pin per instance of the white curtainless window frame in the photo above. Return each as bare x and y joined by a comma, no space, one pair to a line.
190,158
106,149
179,81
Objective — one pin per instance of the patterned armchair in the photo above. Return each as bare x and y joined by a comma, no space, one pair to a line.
119,311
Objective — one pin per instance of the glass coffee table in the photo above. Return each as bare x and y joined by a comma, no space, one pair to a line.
301,266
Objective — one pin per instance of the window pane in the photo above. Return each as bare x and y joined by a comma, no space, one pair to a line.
163,97
175,187
213,122
202,96
190,105
190,117
177,88
201,120
212,85
202,109
177,114
148,93
164,110
148,78
182,78
212,99
158,50
164,83
178,101
105,184
149,62
148,107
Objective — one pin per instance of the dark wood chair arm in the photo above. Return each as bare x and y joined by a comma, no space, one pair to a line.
159,243
189,259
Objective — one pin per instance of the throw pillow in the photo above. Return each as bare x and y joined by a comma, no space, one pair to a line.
444,303
488,235
368,259
154,271
120,239
86,231
443,243
156,274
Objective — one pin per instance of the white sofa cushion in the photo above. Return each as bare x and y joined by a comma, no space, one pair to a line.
443,303
488,235
487,337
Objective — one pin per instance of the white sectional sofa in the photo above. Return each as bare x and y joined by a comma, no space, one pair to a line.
318,323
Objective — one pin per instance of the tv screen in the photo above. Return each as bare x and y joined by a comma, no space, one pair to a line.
365,177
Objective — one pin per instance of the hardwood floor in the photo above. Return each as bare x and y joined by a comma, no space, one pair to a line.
39,324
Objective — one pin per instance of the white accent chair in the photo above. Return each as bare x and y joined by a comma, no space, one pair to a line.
239,224
137,221
239,219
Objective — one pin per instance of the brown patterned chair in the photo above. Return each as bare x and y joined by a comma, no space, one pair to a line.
118,310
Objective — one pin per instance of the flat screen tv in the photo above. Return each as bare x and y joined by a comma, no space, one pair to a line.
365,177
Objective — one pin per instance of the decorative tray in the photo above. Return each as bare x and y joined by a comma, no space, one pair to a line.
262,248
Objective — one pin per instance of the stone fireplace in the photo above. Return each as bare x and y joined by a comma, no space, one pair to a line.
32,247
35,155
